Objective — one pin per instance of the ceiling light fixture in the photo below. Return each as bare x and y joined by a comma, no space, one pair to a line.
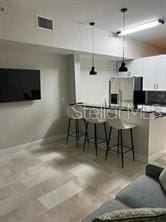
93,70
142,27
123,67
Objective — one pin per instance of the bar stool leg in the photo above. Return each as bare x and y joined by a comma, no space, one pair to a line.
95,132
85,131
122,148
76,128
132,144
68,130
105,134
86,134
109,137
118,141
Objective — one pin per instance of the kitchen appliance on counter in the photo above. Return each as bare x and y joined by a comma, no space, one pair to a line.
121,91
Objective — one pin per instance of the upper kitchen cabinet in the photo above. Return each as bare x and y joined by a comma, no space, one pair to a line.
153,70
161,72
149,73
154,73
136,67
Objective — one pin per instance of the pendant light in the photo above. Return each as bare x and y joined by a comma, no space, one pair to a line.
93,70
123,67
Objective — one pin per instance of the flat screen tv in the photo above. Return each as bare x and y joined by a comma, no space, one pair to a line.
19,85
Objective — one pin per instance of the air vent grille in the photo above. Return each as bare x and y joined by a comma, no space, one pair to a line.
45,23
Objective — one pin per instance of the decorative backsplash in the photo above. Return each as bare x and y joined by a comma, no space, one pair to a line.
156,97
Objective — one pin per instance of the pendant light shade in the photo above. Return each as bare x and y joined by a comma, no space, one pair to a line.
123,67
93,70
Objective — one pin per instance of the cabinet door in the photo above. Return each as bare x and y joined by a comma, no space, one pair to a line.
136,67
149,73
161,72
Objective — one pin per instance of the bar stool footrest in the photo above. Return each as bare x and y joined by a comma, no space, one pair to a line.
125,151
91,140
73,134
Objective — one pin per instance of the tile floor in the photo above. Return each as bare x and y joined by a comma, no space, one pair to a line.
59,183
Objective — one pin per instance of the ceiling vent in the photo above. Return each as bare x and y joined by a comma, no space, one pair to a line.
45,23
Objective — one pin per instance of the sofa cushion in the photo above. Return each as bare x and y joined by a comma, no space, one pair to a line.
154,171
144,192
162,179
105,208
137,215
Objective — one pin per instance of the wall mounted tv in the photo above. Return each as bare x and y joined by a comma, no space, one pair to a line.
19,85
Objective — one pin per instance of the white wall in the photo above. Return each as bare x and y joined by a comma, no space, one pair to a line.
23,122
95,89
71,82
17,23
157,138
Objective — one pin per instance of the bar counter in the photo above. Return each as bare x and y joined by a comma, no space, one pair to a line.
149,135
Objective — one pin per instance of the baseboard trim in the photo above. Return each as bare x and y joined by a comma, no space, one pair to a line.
47,140
146,159
156,155
32,144
138,157
141,158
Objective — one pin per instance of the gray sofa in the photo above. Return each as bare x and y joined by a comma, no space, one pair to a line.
143,192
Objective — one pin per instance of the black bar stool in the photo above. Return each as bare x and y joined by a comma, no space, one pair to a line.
95,119
116,123
75,113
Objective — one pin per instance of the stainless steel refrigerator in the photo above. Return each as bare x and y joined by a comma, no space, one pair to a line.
121,91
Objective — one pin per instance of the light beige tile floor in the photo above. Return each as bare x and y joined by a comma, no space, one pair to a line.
61,194
59,183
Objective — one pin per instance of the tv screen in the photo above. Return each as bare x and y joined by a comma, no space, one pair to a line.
19,85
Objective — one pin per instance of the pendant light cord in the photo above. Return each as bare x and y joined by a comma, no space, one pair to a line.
93,71
123,67
93,58
124,23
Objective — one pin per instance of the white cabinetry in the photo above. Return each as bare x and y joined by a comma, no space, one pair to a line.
136,67
149,73
153,70
161,72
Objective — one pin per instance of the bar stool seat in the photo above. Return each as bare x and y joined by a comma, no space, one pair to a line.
126,126
95,119
115,122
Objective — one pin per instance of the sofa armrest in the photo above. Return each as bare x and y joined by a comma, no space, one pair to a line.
153,171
